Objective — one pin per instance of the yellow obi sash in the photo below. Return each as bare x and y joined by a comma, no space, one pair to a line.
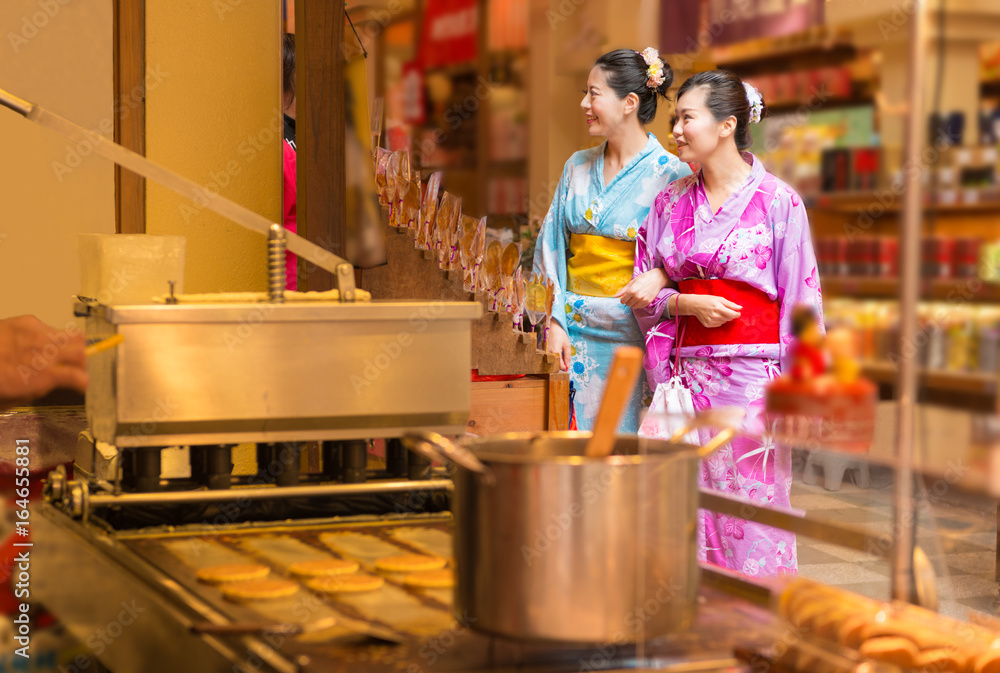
599,266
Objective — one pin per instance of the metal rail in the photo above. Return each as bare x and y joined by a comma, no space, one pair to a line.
845,536
341,269
903,587
735,584
267,493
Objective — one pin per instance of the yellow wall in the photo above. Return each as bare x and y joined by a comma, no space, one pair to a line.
60,59
215,118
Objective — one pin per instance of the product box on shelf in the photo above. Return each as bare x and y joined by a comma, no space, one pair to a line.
952,338
866,256
835,172
936,257
851,169
966,257
866,168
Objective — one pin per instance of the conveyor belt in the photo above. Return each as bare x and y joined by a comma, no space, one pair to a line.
89,572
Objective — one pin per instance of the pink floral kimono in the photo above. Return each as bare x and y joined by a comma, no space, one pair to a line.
759,236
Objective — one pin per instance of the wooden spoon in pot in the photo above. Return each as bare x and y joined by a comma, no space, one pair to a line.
621,381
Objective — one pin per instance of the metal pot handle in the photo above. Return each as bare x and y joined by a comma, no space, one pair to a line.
438,447
716,443
728,418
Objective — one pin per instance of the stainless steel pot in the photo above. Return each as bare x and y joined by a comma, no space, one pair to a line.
551,545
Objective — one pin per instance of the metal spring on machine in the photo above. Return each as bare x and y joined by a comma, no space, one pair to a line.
276,243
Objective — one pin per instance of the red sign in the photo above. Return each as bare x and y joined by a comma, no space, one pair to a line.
450,32
728,21
413,94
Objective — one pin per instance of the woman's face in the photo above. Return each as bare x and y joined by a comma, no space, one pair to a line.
605,112
695,129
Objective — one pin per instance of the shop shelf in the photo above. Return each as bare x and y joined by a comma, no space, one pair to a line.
813,104
850,203
956,290
453,167
975,383
990,88
826,53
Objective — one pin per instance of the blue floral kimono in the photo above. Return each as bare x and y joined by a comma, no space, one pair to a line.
587,248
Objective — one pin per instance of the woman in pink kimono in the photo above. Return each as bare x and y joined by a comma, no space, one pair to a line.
735,241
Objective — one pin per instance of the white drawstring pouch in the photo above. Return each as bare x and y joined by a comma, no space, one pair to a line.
673,407
672,410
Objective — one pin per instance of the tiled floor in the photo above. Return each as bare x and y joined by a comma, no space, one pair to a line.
957,532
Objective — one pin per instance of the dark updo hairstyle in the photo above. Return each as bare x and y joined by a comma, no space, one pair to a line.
288,64
725,97
625,71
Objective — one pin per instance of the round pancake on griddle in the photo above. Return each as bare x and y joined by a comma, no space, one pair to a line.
345,584
233,572
409,563
434,579
258,590
321,568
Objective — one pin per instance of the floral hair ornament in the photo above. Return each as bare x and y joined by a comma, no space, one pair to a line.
654,69
756,102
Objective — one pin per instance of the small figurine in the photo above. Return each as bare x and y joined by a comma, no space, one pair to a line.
821,396
842,344
807,358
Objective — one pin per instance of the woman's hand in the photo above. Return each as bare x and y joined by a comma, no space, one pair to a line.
710,310
642,290
559,343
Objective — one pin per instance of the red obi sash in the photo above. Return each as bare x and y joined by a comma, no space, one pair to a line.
757,324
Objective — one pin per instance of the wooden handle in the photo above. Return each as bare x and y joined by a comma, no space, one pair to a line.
621,382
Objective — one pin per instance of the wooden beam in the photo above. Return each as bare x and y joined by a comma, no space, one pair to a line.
559,412
130,111
321,185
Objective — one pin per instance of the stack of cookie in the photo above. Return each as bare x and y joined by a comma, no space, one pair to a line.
904,635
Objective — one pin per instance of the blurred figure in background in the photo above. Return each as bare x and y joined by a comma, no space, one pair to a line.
288,153
586,245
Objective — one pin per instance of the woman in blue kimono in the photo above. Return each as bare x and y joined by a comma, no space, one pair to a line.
586,245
